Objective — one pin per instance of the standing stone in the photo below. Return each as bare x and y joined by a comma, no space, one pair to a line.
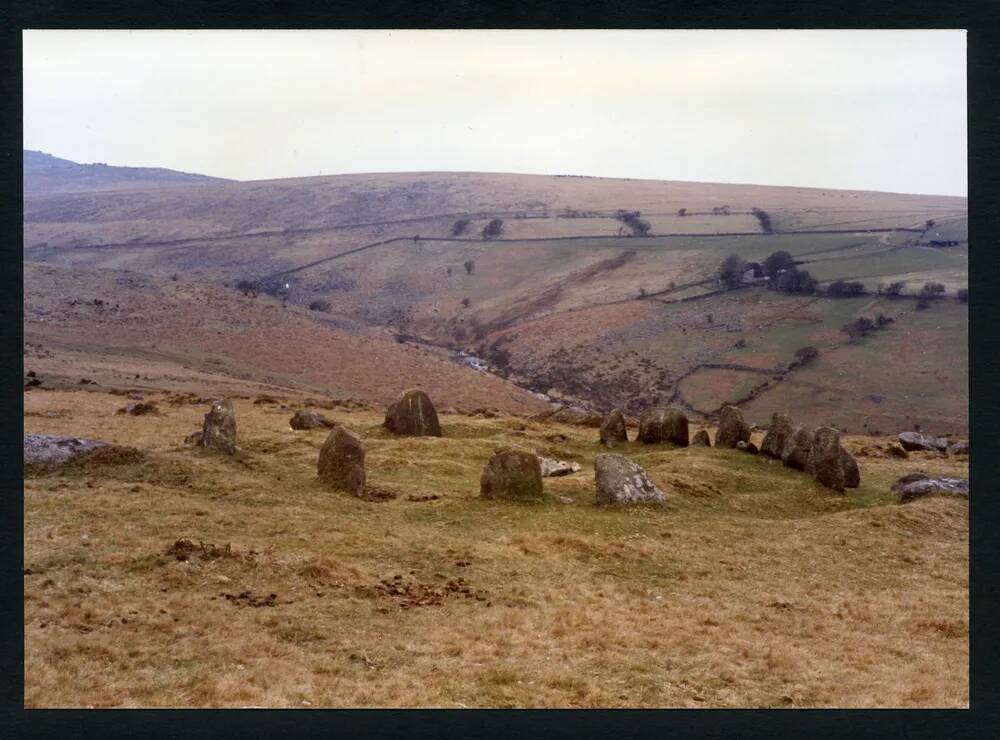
825,460
621,481
511,474
413,414
852,474
777,434
664,425
342,461
613,429
797,446
732,428
701,439
218,432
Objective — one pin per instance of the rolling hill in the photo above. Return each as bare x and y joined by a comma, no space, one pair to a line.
44,173
565,302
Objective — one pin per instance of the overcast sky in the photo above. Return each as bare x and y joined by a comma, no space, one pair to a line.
875,110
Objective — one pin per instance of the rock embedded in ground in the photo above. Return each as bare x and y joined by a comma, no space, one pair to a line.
732,428
664,425
413,414
511,474
701,439
575,415
797,446
621,481
777,435
919,485
53,449
825,460
309,419
554,468
852,473
958,448
915,441
138,409
749,447
613,429
341,463
218,432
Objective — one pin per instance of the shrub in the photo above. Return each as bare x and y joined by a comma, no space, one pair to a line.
963,295
320,305
731,271
806,354
932,290
632,220
470,266
248,287
493,229
460,226
465,302
764,218
682,211
895,289
923,303
844,289
858,328
777,262
795,281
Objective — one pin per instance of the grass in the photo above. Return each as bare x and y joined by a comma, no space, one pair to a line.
753,587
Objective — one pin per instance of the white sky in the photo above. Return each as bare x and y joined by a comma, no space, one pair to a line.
876,110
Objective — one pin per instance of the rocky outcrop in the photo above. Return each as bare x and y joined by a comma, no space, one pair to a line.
613,429
511,474
341,464
413,414
218,432
797,446
777,435
825,459
914,441
664,425
621,481
554,468
919,485
309,419
701,439
52,449
732,428
958,448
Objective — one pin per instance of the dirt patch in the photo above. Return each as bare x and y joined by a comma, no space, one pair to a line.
429,497
108,455
248,598
378,493
412,593
185,549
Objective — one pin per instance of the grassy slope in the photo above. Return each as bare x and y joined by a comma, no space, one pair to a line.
193,336
753,587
